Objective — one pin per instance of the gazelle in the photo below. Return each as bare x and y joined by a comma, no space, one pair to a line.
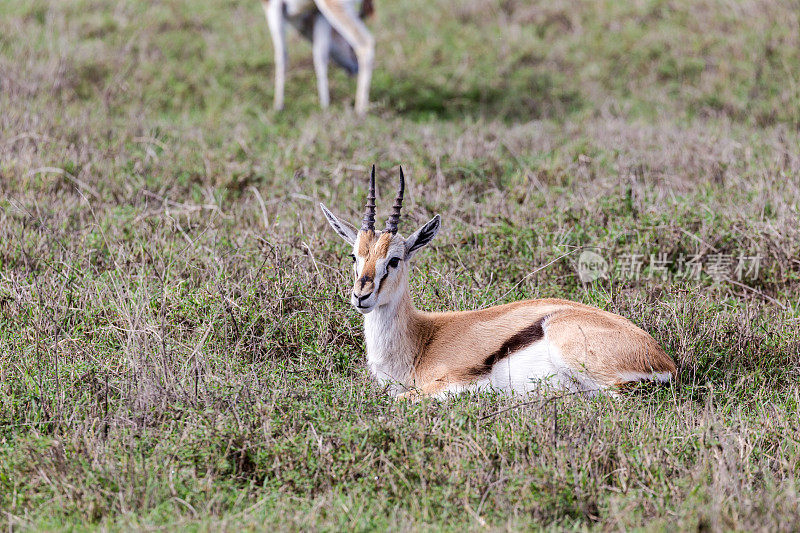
336,31
521,346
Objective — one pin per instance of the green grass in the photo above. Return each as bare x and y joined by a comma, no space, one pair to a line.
175,347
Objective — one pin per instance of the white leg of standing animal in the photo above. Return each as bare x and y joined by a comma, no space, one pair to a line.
366,56
344,18
277,28
322,52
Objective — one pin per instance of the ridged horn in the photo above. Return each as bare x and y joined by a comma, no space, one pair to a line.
368,222
394,218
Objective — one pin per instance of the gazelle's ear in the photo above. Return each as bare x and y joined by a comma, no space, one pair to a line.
345,230
422,236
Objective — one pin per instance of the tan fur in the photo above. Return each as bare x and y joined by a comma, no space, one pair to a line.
601,343
366,239
371,249
344,22
381,247
605,345
370,244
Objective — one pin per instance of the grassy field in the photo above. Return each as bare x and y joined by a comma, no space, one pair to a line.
176,348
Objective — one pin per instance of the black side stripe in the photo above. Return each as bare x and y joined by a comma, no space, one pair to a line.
521,339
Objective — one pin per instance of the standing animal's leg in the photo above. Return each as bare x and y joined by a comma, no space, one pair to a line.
366,56
343,17
274,12
322,52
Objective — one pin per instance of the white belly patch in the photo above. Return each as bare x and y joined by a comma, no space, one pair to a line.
535,368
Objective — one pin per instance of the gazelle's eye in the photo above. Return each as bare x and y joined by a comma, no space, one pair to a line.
393,262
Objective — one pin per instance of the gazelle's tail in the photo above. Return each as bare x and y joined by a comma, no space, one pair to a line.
367,9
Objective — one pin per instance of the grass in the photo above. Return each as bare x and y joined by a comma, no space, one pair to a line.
175,347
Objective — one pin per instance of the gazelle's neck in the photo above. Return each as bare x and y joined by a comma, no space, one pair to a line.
391,340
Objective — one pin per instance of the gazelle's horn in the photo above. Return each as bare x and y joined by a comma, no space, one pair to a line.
368,223
394,218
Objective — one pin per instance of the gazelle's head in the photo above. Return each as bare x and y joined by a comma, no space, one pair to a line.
380,258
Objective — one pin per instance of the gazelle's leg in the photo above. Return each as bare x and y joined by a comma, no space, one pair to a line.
322,52
366,57
342,15
274,12
432,389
